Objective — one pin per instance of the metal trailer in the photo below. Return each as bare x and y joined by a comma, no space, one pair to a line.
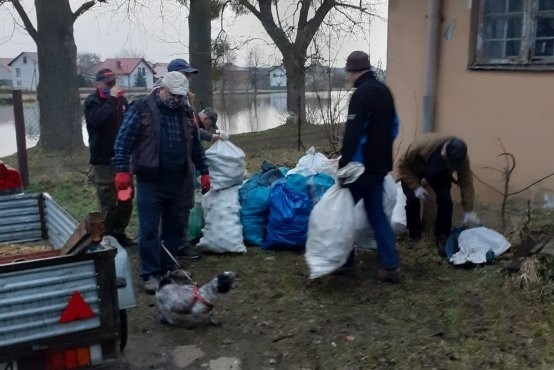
35,290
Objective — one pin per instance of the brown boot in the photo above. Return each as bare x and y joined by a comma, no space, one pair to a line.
394,276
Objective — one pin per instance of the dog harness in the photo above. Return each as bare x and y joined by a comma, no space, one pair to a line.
198,297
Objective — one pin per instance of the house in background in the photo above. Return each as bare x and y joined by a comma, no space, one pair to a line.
160,69
5,72
130,72
278,77
482,70
24,68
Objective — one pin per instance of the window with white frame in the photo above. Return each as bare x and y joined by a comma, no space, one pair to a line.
19,83
142,71
514,34
24,60
18,72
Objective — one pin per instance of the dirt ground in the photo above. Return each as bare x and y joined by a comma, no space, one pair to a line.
441,317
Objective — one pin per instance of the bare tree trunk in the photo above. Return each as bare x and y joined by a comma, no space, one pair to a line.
200,46
58,90
296,88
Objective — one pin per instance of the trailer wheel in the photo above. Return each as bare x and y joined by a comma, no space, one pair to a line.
124,329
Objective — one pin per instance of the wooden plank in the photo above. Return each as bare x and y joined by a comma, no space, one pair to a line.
91,230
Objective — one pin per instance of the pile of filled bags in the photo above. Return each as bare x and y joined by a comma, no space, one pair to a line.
275,208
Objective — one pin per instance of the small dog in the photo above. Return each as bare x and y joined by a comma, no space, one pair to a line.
191,299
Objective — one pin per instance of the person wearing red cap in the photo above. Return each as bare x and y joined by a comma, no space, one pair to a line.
435,158
104,110
369,133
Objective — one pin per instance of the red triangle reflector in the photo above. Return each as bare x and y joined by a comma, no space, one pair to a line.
76,309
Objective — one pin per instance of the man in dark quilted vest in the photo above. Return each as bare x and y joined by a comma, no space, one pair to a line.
159,141
368,137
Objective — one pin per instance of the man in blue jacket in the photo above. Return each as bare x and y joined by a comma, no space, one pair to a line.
159,133
369,134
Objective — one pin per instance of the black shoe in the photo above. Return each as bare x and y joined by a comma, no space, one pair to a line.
124,240
188,252
441,245
348,271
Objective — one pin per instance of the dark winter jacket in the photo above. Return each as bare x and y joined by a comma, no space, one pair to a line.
103,117
371,127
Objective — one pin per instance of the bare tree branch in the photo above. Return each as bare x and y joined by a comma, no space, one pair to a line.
26,21
83,8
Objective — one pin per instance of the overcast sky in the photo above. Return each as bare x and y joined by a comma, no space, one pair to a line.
161,33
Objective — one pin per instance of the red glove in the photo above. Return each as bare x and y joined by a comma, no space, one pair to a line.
122,180
205,183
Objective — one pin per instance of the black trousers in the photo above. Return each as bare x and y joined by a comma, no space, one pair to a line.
443,225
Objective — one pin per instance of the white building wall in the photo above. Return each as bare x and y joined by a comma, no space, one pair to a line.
278,77
148,75
28,76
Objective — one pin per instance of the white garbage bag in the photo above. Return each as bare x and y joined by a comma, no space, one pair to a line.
365,238
332,228
227,164
313,163
399,222
474,244
222,231
331,232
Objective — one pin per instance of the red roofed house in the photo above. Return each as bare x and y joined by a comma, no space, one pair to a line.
128,71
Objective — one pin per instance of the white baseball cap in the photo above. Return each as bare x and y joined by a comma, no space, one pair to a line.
176,83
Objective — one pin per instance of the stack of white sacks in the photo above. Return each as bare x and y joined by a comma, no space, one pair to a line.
223,231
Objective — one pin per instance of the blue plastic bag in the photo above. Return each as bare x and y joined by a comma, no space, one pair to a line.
290,203
254,200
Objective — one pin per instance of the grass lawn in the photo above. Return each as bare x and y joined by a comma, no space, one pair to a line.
440,317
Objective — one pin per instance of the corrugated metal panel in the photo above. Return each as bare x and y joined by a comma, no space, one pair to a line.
59,223
19,218
31,301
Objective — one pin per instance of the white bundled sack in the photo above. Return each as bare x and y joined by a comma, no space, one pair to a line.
365,238
316,162
399,222
222,231
227,164
332,227
474,244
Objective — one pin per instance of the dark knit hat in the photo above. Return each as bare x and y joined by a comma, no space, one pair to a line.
456,153
357,61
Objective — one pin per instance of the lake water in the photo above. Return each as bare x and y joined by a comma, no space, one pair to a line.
238,113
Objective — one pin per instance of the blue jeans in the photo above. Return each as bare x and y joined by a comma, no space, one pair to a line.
369,187
161,208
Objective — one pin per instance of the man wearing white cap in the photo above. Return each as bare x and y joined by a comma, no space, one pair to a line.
159,134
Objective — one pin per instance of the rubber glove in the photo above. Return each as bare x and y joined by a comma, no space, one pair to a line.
122,180
421,193
205,183
471,218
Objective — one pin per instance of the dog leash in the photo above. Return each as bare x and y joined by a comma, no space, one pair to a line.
197,295
177,263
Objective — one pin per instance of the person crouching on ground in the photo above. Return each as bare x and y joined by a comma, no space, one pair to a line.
104,111
159,132
435,158
368,138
